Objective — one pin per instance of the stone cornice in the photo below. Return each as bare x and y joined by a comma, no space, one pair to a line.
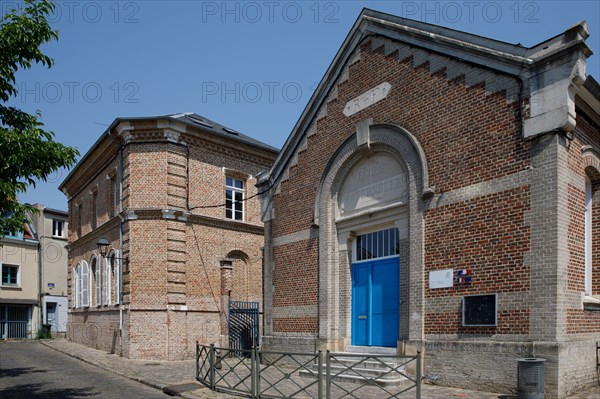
179,215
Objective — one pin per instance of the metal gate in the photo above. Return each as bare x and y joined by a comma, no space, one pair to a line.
14,321
243,325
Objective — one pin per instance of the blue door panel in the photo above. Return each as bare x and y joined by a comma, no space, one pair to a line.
360,304
375,303
385,302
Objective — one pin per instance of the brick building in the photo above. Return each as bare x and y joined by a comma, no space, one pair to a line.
173,195
444,189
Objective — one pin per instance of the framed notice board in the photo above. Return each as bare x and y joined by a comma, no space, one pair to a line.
480,310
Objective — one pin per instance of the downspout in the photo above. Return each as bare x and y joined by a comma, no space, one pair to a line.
40,293
122,264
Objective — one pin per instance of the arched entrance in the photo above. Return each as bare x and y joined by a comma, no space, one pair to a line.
370,261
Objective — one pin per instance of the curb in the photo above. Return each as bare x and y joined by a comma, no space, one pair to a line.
148,382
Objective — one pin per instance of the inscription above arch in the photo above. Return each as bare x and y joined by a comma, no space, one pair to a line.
375,181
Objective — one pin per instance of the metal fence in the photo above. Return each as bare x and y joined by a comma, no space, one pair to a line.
268,374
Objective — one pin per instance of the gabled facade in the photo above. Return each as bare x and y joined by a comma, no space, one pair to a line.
439,193
174,195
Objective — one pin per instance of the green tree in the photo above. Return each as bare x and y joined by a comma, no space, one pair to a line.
28,153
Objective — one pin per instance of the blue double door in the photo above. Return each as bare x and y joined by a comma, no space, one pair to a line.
376,302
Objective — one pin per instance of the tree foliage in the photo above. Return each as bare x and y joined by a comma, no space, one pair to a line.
28,153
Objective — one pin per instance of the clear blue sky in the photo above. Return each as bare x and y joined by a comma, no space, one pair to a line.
249,65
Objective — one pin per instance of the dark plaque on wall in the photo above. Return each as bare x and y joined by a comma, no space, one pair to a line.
479,310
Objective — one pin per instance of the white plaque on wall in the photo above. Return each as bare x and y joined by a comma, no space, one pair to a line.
367,99
441,278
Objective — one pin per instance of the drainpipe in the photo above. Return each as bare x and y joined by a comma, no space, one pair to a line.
122,264
40,276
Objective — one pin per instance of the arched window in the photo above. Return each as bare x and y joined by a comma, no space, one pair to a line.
95,291
85,284
115,268
106,279
75,278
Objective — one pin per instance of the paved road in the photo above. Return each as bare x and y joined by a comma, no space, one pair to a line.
33,371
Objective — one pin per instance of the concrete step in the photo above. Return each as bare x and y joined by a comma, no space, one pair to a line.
382,364
371,350
360,367
365,372
395,380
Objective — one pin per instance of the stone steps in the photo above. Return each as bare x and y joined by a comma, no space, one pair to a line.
361,368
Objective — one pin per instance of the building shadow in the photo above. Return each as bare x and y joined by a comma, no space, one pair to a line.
37,391
17,371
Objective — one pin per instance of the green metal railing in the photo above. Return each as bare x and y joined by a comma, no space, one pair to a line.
269,374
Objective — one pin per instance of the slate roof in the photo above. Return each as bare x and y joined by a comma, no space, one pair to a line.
187,118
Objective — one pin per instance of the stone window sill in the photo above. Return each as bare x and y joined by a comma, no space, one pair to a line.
11,287
591,302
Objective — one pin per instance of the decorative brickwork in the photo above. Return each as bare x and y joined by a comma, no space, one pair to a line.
489,176
171,224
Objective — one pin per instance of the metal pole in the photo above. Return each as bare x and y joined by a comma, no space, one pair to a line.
328,374
197,361
211,363
253,373
419,372
320,371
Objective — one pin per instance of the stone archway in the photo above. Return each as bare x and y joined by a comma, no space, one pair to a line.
392,198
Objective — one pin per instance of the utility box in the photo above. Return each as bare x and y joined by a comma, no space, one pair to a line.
530,378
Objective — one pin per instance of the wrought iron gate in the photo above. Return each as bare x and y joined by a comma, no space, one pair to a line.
243,325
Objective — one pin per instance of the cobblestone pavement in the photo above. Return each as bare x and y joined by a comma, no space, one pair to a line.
159,374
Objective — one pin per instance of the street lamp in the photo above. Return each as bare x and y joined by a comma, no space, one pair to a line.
103,245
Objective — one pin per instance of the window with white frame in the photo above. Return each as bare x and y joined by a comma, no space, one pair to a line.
114,191
234,198
76,289
116,265
11,275
378,244
58,227
85,284
106,280
588,236
96,296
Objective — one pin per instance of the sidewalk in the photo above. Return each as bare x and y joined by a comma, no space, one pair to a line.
161,374
156,374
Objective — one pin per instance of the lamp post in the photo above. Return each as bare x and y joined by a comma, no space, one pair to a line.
103,245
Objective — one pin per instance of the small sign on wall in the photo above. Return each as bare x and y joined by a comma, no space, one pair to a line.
50,285
441,278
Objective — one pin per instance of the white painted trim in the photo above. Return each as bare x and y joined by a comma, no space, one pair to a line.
588,237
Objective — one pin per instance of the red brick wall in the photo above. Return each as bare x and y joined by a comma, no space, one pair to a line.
576,239
296,324
295,278
487,235
580,321
468,136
